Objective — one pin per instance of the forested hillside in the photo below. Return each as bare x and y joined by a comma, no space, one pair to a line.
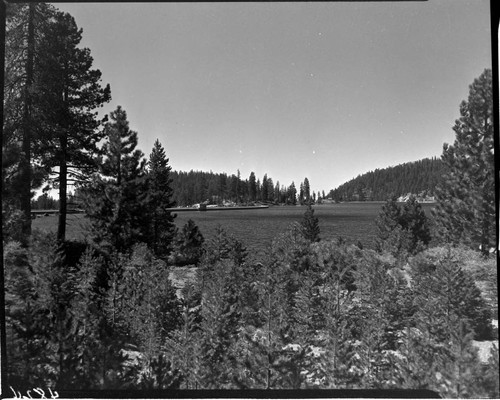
418,177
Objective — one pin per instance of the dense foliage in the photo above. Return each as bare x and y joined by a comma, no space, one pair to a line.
104,313
309,315
418,177
51,92
113,199
161,229
195,187
402,230
466,208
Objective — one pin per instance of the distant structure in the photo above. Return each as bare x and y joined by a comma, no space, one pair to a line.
420,198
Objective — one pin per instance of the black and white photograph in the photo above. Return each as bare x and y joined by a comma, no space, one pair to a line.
250,199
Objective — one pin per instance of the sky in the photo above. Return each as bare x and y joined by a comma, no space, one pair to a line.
321,90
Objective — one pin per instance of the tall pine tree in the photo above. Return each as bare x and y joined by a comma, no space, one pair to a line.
122,160
252,187
307,191
465,212
26,26
69,93
115,198
158,201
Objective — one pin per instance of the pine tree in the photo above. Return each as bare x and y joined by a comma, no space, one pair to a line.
383,309
158,201
270,190
310,225
389,218
402,231
269,343
183,345
97,346
189,244
115,200
220,281
265,189
222,186
307,191
465,212
252,187
268,349
390,236
47,318
69,93
122,162
25,327
223,246
291,195
25,73
115,326
277,193
309,327
26,25
450,367
338,263
221,316
239,189
414,220
444,288
148,308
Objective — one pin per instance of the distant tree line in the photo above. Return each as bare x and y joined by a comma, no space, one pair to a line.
46,202
196,187
418,177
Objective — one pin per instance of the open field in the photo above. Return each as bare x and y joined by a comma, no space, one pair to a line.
76,225
256,228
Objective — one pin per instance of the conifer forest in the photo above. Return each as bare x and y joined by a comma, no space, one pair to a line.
103,313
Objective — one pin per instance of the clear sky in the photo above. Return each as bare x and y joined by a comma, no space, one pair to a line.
322,90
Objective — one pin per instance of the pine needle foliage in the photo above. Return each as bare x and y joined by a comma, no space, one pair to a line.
69,92
183,344
220,322
148,303
310,224
221,247
337,261
114,200
44,316
143,306
465,213
188,247
402,231
158,200
444,288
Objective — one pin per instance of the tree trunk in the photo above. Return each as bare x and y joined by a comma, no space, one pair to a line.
25,162
63,182
63,165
